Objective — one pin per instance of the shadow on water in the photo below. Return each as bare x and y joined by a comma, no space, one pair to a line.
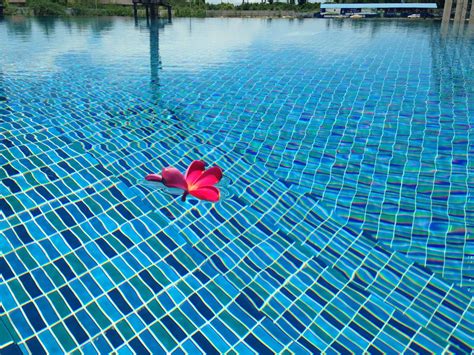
18,26
47,24
21,26
155,61
376,26
462,32
154,26
451,51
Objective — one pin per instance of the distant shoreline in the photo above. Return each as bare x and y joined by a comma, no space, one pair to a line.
48,8
269,14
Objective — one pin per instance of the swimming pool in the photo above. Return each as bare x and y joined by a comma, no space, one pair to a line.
346,220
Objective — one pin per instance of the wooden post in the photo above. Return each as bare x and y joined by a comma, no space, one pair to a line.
457,12
464,11
135,12
169,13
471,16
447,10
147,13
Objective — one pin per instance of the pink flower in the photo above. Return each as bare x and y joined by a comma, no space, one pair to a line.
197,181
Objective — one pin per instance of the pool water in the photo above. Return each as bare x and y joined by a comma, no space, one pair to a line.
347,218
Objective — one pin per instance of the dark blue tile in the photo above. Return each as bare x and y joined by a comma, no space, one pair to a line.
257,345
138,346
150,281
204,344
34,316
70,297
35,346
65,269
30,285
146,315
202,308
76,329
120,301
23,234
5,269
173,328
114,337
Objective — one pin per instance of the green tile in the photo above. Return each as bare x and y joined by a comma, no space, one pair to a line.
7,332
336,313
5,337
15,203
162,334
184,259
71,183
99,316
18,291
95,208
236,280
114,242
113,272
184,287
259,290
117,217
321,333
156,309
183,321
54,275
75,264
64,338
159,276
141,288
57,301
233,323
53,218
223,297
78,232
159,248
26,258
132,208
125,330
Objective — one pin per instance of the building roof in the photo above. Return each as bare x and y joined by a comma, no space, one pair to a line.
414,5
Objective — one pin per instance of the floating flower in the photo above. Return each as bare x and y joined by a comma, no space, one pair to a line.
197,181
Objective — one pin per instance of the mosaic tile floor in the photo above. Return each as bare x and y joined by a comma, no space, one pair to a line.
346,222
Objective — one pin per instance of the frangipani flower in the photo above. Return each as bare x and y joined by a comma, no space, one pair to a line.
197,181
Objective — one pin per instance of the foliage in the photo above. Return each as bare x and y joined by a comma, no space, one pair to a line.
182,8
186,8
181,11
279,6
46,8
81,9
221,6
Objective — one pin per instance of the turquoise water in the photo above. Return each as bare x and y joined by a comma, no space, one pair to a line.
347,213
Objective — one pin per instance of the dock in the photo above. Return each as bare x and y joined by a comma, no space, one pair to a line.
152,8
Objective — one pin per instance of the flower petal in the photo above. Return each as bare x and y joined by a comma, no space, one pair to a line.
195,169
208,178
153,177
208,193
172,177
